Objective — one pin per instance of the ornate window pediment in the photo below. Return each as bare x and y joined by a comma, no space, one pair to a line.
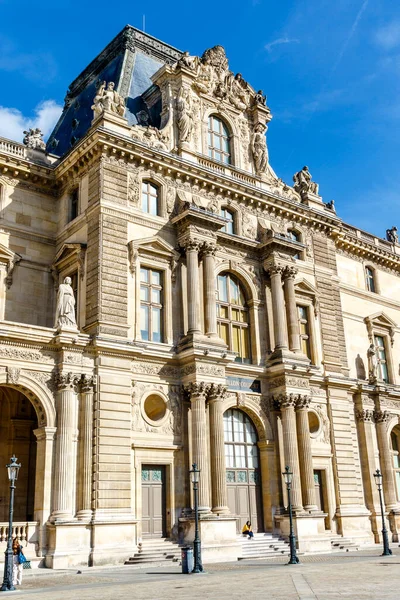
153,249
70,255
306,291
380,323
9,259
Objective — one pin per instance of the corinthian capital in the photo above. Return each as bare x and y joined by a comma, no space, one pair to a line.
196,390
208,248
365,415
284,401
86,383
191,246
381,416
289,272
275,270
217,391
302,402
66,381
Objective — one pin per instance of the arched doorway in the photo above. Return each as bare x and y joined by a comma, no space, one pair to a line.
243,474
18,420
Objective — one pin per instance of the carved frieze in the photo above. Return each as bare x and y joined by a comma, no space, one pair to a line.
22,354
155,369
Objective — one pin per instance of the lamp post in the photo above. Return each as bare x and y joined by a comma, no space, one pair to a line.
198,567
7,586
288,476
378,480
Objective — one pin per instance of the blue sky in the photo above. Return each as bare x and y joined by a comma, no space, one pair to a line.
330,71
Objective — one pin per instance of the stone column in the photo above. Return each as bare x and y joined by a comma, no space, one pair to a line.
275,415
366,434
385,459
278,307
85,448
305,454
287,403
217,447
64,468
289,274
197,394
210,304
193,287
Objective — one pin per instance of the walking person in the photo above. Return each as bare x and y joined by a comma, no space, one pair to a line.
247,530
18,560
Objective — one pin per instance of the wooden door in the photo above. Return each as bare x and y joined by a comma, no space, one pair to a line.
153,501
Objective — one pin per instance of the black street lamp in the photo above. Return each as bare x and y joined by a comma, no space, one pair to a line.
7,586
288,476
198,567
378,480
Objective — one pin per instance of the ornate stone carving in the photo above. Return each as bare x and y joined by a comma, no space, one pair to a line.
259,148
208,248
86,383
260,98
372,364
325,435
184,115
284,401
133,188
240,400
65,310
133,254
303,183
107,99
249,225
217,391
10,269
303,402
33,138
193,390
203,369
365,415
381,416
13,374
23,354
290,381
289,272
153,137
46,379
392,236
66,381
170,200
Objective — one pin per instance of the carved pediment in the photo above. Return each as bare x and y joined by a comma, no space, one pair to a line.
304,289
153,247
380,322
68,254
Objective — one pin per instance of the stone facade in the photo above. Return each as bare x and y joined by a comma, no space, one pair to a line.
223,318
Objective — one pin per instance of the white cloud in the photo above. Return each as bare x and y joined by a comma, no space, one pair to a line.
283,40
388,37
13,123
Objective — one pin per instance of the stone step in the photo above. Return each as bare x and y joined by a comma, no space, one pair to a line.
156,552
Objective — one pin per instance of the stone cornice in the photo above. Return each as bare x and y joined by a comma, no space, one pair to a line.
381,254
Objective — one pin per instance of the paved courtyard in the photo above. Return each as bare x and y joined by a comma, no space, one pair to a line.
357,576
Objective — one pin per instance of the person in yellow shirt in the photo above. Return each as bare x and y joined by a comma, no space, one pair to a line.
247,530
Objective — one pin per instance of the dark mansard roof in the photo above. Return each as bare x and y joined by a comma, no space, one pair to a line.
129,60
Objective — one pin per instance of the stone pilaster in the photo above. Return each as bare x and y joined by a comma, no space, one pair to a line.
288,275
365,430
217,447
197,393
193,287
44,465
287,403
278,307
85,448
210,305
275,418
64,471
305,454
385,459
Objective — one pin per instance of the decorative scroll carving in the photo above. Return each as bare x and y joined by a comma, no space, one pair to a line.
23,354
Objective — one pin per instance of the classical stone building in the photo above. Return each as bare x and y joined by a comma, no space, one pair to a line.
223,317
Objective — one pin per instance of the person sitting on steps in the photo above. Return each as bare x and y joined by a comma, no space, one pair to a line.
247,530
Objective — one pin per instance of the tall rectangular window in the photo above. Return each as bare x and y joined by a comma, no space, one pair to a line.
150,198
73,204
305,337
151,306
381,352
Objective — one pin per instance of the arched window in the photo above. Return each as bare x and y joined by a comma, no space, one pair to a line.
229,225
233,317
370,279
296,237
150,198
395,444
218,140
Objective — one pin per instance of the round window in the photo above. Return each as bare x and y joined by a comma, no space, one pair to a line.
313,423
155,408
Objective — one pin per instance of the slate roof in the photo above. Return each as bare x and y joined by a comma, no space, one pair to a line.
129,60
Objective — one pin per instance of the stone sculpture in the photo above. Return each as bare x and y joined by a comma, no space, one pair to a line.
260,98
65,310
184,114
303,183
372,363
331,206
259,148
391,235
107,99
33,138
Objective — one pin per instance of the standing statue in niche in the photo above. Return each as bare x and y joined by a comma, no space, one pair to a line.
107,99
65,311
185,119
372,364
259,148
391,235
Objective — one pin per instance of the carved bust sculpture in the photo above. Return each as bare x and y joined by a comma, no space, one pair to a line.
65,310
107,99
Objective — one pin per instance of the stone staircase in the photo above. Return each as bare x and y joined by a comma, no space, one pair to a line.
342,544
155,553
263,545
